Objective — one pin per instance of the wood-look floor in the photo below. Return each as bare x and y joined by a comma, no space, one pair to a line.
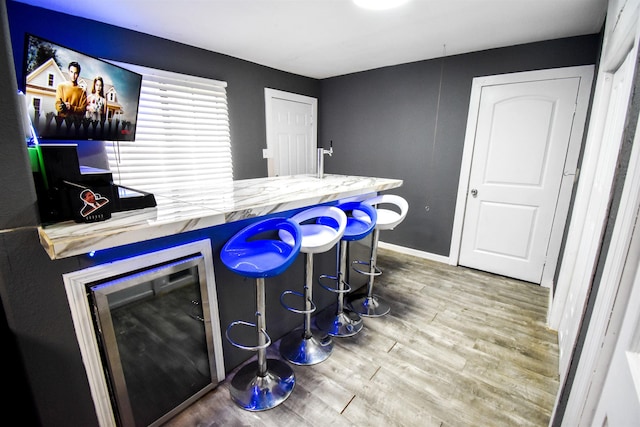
459,348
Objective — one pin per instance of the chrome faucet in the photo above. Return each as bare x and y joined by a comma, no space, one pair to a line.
321,153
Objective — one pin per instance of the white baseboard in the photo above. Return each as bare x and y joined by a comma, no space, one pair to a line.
414,252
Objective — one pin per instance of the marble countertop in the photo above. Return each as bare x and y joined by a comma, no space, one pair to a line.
204,207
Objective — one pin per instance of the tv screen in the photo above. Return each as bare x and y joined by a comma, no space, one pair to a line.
73,96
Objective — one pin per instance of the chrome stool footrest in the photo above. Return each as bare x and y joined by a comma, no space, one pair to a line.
345,286
247,347
293,309
376,271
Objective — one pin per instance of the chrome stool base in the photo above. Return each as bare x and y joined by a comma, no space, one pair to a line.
339,324
254,392
299,349
370,306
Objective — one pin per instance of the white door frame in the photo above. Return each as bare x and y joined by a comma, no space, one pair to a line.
615,287
562,208
615,49
621,40
269,96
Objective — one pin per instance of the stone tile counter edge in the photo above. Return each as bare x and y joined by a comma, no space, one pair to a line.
204,207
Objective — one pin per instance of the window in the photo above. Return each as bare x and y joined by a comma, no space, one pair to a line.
50,80
182,135
36,106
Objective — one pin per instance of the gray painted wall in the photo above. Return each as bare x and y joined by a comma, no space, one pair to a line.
409,122
392,138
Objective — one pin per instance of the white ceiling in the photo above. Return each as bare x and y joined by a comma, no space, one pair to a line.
326,38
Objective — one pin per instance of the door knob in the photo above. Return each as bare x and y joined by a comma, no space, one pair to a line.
474,192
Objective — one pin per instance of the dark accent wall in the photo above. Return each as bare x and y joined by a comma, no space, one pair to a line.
409,122
402,122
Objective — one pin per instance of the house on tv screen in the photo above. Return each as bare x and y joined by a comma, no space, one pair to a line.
40,94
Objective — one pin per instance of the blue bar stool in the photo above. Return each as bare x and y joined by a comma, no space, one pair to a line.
338,321
310,345
393,213
257,251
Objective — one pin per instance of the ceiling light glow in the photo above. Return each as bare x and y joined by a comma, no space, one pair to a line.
379,4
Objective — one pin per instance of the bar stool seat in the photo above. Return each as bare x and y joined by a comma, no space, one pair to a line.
391,211
338,321
257,251
309,345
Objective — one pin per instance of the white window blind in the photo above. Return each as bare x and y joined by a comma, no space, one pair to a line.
182,135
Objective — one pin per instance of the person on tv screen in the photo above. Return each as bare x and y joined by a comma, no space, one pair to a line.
71,99
96,101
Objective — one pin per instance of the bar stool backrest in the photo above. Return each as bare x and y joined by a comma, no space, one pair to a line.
258,250
317,236
361,220
388,219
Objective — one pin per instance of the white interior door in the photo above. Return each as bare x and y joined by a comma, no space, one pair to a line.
521,143
291,133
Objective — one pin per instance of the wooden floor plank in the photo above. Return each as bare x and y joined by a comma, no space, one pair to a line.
460,347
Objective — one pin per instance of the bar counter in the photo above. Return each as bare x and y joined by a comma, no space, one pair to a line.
202,206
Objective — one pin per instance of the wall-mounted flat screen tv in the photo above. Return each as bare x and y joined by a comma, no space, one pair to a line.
73,96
